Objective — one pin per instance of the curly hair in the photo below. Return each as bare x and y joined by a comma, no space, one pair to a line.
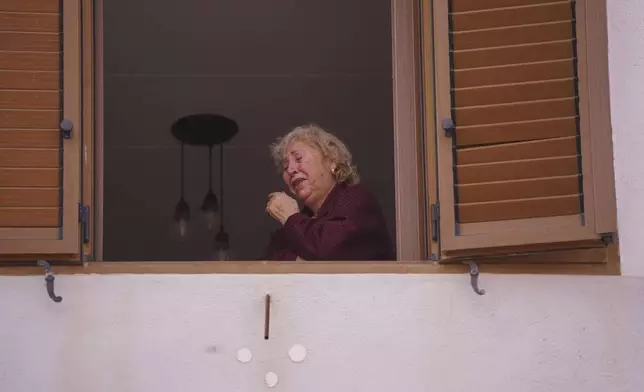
331,147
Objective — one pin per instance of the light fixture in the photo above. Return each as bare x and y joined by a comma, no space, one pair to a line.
206,130
182,209
210,205
221,242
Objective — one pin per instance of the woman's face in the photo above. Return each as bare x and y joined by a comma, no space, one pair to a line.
307,174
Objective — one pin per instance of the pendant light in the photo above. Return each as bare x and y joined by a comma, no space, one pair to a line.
206,130
182,209
210,205
221,243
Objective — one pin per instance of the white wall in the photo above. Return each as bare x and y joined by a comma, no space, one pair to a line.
626,66
376,333
364,333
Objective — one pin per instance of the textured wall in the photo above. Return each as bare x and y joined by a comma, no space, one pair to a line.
376,333
626,66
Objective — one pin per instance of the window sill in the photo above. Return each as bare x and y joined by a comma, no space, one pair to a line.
271,267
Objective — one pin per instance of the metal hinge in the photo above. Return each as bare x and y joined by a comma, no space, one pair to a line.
435,215
83,218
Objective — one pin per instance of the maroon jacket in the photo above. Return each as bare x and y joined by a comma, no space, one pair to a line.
349,226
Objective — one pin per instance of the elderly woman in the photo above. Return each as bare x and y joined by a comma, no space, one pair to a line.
340,218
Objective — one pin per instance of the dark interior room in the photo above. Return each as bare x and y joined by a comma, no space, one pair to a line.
266,66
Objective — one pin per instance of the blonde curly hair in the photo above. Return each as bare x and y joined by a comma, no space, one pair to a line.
328,144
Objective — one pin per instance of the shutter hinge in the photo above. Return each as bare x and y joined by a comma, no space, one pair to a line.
435,215
83,218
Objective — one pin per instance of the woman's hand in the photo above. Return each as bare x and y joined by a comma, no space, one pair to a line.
281,206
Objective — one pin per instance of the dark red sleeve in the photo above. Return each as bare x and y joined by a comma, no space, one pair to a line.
278,248
352,229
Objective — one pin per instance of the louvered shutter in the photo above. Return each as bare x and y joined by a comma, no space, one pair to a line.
39,88
509,79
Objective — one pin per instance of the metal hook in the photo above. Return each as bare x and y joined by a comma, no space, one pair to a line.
474,277
49,279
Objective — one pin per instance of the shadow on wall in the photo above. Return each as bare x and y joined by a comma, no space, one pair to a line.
269,76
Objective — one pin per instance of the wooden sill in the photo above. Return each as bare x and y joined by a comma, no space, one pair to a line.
516,264
311,268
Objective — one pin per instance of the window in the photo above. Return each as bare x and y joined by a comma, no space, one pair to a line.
502,138
522,128
237,80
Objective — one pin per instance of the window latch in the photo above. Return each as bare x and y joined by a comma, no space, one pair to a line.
66,127
448,126
49,279
474,277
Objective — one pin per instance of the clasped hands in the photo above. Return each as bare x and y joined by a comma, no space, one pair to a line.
281,206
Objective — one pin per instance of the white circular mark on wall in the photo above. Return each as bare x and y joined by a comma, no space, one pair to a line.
244,355
271,379
297,353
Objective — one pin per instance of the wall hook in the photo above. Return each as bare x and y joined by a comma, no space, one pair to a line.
49,279
474,277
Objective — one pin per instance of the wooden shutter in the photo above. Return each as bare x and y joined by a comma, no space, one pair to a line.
39,88
516,167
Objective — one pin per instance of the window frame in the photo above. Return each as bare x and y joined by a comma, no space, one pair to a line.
406,109
415,160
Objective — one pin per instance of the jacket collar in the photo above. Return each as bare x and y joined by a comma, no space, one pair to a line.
328,202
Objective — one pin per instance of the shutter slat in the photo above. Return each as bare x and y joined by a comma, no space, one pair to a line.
515,35
540,13
523,111
29,22
29,197
519,209
27,61
477,5
519,54
25,138
29,42
517,170
516,131
518,73
30,6
29,217
30,177
519,189
509,93
559,147
32,119
29,80
36,158
15,99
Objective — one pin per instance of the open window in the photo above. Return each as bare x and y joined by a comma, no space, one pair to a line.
40,128
522,128
497,143
194,96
